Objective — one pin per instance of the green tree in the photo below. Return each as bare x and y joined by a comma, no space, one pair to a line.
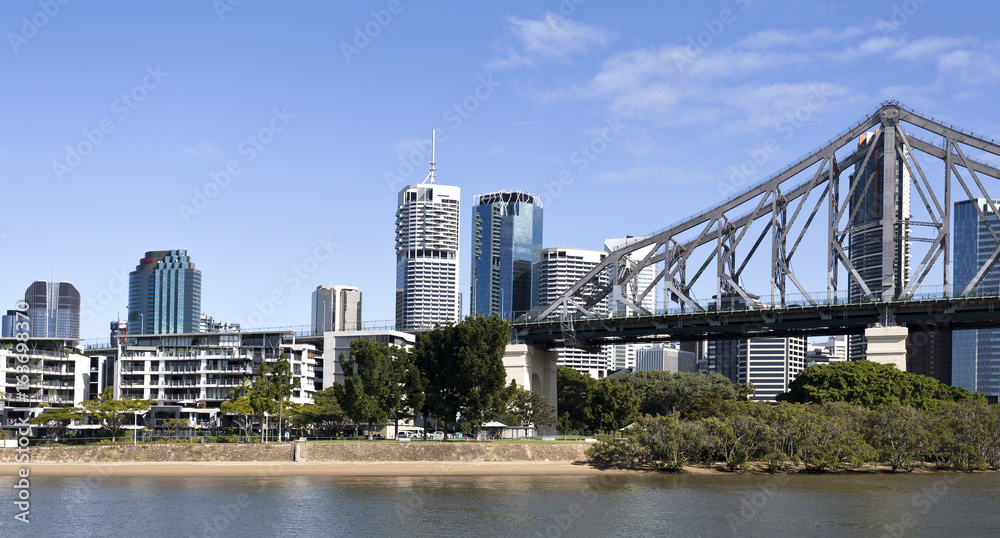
57,419
372,389
613,405
463,368
324,414
870,384
271,389
113,414
173,425
530,408
243,413
898,435
573,390
662,392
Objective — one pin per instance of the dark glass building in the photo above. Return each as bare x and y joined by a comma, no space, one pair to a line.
164,294
506,253
975,354
53,309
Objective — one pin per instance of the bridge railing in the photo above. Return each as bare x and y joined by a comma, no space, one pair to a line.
819,299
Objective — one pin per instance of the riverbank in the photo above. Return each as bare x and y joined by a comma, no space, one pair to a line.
272,469
317,452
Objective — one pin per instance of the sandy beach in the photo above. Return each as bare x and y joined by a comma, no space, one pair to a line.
234,469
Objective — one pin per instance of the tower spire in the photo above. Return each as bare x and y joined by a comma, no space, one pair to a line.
430,177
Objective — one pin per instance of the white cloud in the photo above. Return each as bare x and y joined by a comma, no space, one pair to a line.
551,37
780,38
205,149
930,47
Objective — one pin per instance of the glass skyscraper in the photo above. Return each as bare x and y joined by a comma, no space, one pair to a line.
506,253
975,354
164,294
53,309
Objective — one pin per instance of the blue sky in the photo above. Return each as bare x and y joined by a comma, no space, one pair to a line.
118,115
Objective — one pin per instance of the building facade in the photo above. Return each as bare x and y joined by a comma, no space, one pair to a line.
770,364
560,269
53,309
624,355
506,253
667,358
336,308
164,294
975,363
336,344
866,230
203,368
428,217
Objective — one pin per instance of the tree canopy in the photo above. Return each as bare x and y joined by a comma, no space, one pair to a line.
613,405
113,414
870,384
662,393
573,390
462,365
57,419
374,376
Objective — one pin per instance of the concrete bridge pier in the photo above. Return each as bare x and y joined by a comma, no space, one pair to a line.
887,345
534,369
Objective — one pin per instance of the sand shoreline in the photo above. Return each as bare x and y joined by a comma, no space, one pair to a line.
264,469
388,469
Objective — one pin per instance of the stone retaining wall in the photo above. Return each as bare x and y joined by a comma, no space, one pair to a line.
318,452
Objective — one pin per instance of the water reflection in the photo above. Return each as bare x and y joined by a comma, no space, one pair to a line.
632,505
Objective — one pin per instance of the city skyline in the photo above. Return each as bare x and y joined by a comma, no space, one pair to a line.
268,121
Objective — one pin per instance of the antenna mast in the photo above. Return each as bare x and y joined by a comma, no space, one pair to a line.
430,177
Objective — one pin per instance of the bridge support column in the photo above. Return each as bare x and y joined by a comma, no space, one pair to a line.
534,369
887,345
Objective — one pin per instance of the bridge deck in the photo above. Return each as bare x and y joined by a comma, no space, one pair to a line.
766,321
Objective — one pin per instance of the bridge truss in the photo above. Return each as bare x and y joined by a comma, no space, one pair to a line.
769,221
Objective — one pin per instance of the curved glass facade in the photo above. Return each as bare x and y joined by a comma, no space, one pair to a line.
164,294
506,253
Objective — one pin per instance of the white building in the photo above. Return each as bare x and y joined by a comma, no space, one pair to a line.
195,368
665,357
58,375
428,217
336,308
832,350
560,269
337,343
624,355
770,364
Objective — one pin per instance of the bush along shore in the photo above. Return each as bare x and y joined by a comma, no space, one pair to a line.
815,437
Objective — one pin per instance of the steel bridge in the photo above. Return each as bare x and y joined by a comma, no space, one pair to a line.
863,221
821,319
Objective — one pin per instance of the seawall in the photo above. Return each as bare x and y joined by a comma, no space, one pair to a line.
312,452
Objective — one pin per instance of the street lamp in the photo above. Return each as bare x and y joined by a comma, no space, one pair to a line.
142,325
324,316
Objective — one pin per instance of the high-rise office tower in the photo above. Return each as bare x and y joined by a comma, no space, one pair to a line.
560,269
866,234
770,364
975,355
164,294
506,253
624,355
428,216
53,309
723,356
336,308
